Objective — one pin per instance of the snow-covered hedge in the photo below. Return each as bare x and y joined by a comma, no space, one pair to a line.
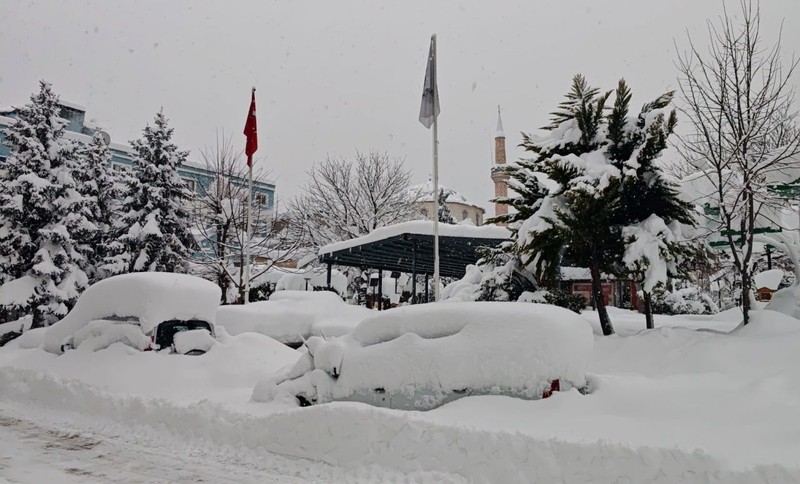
573,302
418,357
682,301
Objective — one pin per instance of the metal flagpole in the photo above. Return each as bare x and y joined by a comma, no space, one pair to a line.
247,240
249,223
435,177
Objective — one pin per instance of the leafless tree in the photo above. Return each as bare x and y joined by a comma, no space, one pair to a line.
344,199
220,214
738,97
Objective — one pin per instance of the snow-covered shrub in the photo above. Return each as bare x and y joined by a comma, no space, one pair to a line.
682,301
556,297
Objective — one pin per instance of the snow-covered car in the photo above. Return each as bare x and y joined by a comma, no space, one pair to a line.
420,357
147,310
293,316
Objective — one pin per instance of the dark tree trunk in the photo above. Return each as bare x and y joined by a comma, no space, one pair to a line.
746,287
599,300
241,280
648,310
39,320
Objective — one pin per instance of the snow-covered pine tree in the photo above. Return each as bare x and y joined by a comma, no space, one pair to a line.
156,227
102,192
445,216
650,211
41,213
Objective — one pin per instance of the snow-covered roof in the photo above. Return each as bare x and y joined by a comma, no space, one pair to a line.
575,274
76,107
424,193
770,279
421,227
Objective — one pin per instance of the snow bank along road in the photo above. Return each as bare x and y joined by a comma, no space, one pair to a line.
39,446
121,415
86,434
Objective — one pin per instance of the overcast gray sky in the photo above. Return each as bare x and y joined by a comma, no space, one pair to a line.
335,77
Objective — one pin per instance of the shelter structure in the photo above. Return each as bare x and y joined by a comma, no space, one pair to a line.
408,247
766,283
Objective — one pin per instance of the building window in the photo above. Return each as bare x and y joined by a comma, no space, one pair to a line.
261,199
424,212
121,169
464,215
190,183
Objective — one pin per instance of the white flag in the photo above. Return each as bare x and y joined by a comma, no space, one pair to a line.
430,92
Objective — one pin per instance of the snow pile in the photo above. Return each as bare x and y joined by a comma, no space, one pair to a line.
148,297
358,436
101,334
17,326
786,301
193,340
225,374
422,356
467,288
33,338
770,279
291,316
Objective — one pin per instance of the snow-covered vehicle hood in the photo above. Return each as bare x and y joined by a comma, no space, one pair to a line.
148,298
419,357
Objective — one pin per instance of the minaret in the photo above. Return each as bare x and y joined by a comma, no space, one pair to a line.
499,177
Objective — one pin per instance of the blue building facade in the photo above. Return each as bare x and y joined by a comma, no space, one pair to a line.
196,175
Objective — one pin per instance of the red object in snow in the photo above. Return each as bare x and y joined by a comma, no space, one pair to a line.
251,131
555,386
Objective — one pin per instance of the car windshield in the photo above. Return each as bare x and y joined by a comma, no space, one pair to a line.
166,331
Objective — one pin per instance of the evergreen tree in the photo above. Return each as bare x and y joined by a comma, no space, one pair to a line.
102,192
574,219
42,217
650,211
445,216
155,230
606,191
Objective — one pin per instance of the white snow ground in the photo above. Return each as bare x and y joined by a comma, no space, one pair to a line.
670,405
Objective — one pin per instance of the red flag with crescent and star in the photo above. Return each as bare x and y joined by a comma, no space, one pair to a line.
251,131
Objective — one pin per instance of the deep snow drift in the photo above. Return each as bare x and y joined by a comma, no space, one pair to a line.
674,404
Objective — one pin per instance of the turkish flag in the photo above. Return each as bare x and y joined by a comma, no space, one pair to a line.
250,131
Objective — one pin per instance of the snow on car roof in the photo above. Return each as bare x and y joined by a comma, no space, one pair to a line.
150,297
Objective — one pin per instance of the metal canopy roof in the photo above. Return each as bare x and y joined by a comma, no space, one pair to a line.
397,253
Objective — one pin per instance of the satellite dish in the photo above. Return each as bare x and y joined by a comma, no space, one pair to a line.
106,137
